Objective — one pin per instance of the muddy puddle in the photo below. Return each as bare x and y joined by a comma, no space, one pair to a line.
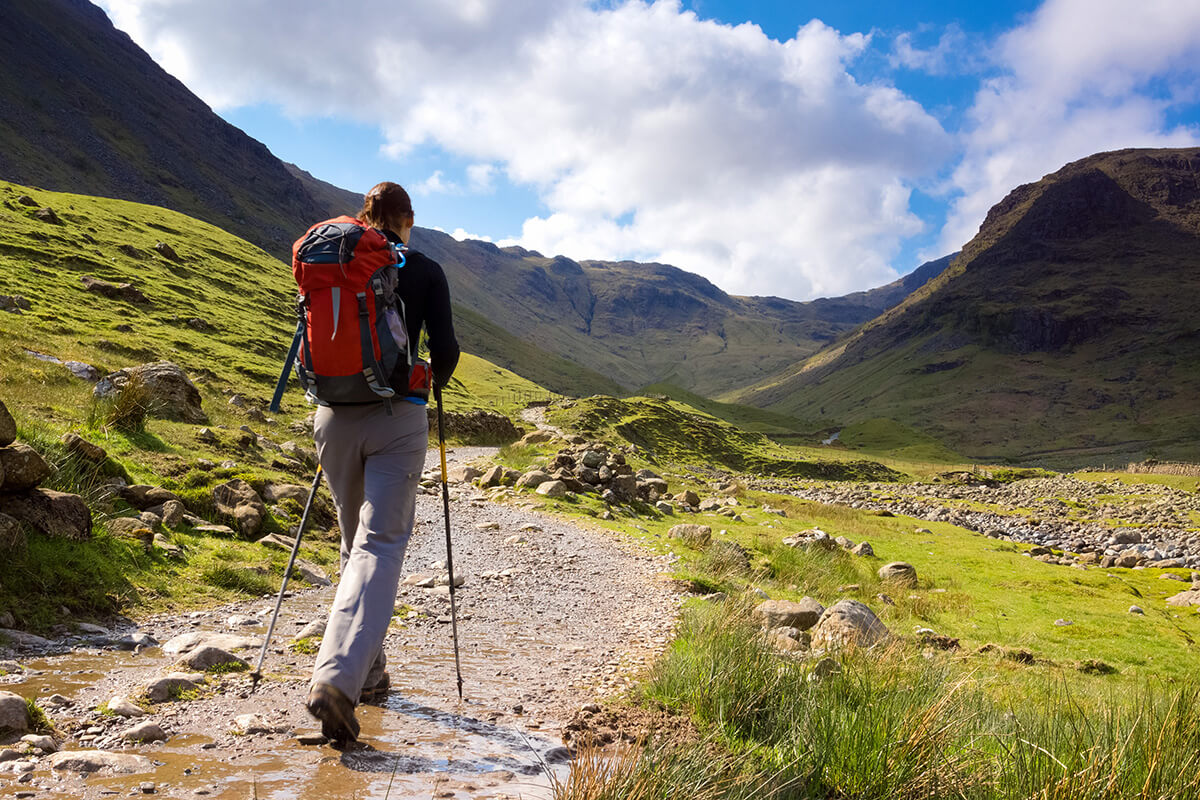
421,741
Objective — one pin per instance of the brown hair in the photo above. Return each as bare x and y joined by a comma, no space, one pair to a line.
387,206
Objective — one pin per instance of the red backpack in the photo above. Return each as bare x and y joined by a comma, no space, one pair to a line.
351,336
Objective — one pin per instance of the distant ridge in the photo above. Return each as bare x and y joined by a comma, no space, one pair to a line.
1068,325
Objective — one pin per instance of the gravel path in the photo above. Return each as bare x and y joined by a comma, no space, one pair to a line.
551,615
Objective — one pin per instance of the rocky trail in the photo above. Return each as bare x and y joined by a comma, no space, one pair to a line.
552,616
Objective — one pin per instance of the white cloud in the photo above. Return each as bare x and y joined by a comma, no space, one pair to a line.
646,131
435,184
954,53
1080,77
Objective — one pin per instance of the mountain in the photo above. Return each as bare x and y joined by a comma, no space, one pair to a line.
1067,326
83,109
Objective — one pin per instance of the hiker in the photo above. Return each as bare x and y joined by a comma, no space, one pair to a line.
373,461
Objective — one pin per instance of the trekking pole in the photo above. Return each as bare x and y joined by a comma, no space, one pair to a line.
256,676
437,396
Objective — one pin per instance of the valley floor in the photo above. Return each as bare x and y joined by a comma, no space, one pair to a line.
551,615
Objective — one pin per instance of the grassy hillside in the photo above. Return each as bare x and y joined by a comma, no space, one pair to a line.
1064,332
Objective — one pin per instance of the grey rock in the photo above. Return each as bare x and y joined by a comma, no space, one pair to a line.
462,474
8,426
185,642
56,514
278,492
1190,597
89,761
532,479
552,489
148,731
84,449
593,459
162,689
312,574
863,549
697,536
898,572
14,714
39,742
172,513
22,467
123,707
23,639
237,499
172,393
493,477
132,641
848,622
113,291
314,628
801,615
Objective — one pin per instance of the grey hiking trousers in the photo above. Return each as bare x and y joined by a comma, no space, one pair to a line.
373,464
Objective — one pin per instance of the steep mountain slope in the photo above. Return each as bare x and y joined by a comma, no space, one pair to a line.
1067,325
83,109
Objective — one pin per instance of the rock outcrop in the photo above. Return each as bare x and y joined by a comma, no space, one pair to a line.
172,395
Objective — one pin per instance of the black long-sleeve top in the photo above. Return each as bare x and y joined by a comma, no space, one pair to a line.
423,288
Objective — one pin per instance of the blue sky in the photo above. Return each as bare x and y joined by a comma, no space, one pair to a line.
801,149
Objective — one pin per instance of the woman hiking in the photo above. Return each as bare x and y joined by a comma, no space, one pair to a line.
373,461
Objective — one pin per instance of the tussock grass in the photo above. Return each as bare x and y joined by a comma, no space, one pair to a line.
891,723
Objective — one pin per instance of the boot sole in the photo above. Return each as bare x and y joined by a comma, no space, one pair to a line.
337,723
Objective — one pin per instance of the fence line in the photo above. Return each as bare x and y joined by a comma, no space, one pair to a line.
1152,467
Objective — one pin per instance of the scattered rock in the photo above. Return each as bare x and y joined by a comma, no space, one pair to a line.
48,216
14,714
55,514
848,622
13,303
8,426
84,449
172,395
206,657
462,474
1137,610
312,574
552,488
697,536
863,549
1189,597
166,251
249,724
148,731
899,572
185,642
163,689
786,614
113,291
124,707
22,467
311,630
238,499
88,761
532,479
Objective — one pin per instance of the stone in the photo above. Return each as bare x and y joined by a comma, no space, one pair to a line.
848,622
493,477
22,467
38,742
278,492
663,507
172,395
23,639
689,498
535,437
462,474
13,303
237,499
89,761
1129,558
56,514
84,449
48,216
312,574
123,707
8,426
863,549
552,489
113,291
248,724
130,528
311,630
12,536
166,251
1189,597
1137,610
788,640
148,731
132,641
532,479
624,487
185,642
801,615
172,513
697,536
898,572
14,713
163,689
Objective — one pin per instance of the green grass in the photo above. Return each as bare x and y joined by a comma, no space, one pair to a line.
885,437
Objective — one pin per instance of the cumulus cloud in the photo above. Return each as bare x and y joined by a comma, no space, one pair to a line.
646,131
954,53
1080,77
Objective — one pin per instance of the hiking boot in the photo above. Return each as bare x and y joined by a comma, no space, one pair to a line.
335,711
376,693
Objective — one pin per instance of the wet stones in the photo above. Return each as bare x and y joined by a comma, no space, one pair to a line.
14,713
90,761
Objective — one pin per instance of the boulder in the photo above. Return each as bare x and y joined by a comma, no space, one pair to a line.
1188,597
312,574
172,395
205,657
123,707
689,498
12,535
532,479
899,572
697,536
863,549
593,459
166,251
278,492
88,761
13,303
84,449
314,628
185,642
8,427
848,622
163,689
22,467
786,614
14,713
48,216
788,640
237,499
624,487
493,477
172,513
57,514
535,437
552,489
148,731
462,474
113,291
